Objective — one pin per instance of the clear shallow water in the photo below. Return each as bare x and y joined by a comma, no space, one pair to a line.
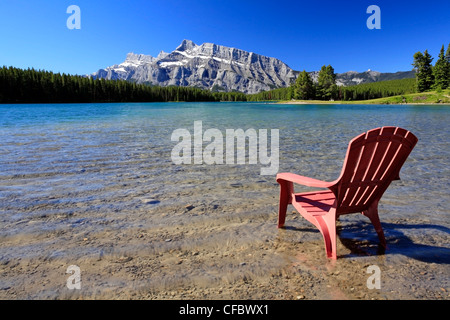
69,153
96,169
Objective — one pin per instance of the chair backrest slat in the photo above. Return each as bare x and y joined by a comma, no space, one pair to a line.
373,160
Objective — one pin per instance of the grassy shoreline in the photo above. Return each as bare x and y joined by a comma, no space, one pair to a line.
432,97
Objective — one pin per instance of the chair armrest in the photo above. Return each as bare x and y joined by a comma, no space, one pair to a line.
305,181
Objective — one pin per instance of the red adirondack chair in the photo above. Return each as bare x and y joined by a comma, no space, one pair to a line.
373,160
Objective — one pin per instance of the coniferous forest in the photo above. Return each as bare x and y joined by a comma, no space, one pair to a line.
428,77
33,86
36,86
363,91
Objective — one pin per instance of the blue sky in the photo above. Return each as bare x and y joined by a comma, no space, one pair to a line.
303,34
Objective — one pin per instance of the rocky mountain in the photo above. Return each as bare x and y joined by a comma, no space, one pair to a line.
207,66
219,68
352,77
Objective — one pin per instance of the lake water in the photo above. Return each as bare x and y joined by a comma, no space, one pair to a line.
97,168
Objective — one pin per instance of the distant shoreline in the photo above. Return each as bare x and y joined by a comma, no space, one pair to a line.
422,98
360,102
290,102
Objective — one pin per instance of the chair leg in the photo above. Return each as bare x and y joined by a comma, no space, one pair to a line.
327,227
372,214
285,197
328,230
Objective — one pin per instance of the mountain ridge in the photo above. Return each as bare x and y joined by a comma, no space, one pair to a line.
220,68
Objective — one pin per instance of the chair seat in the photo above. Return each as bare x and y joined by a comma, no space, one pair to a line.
317,202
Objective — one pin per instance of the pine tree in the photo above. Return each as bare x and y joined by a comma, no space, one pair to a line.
440,71
424,71
447,65
327,88
304,87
